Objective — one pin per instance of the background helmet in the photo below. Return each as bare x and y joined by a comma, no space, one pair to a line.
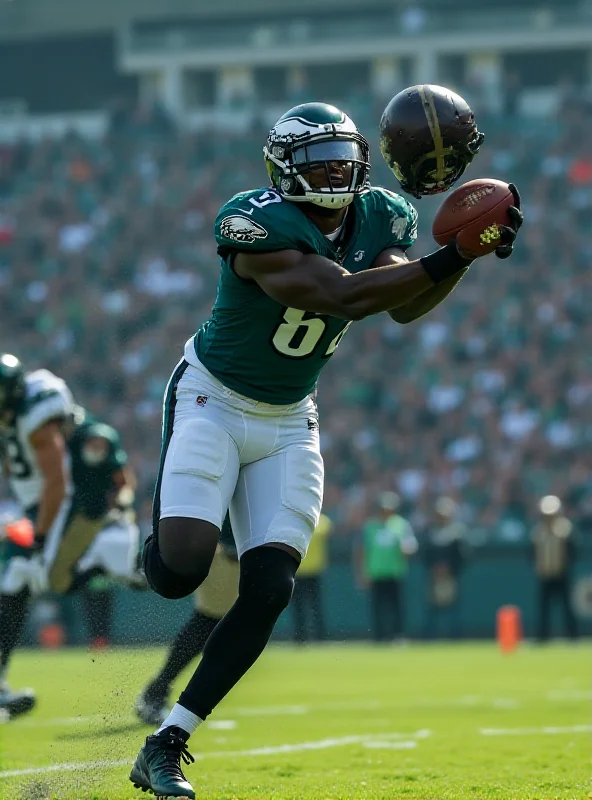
428,137
12,386
315,154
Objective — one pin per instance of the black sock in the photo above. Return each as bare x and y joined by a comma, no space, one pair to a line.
13,615
265,588
188,644
98,604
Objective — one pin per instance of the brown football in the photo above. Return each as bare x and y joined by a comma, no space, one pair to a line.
476,208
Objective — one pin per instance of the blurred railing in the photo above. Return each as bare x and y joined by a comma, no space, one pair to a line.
250,36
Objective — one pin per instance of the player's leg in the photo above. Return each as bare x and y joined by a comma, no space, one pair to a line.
544,610
151,705
14,606
69,538
98,599
213,599
197,477
114,553
274,511
384,610
376,609
571,625
396,591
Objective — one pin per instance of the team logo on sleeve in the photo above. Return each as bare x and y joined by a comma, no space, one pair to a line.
241,229
399,226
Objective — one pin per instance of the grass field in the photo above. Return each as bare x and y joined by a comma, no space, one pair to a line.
335,722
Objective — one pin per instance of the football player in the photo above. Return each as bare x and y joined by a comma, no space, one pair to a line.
301,259
61,467
104,492
33,408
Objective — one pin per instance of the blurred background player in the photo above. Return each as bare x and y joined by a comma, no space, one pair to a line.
554,555
111,561
381,564
444,552
105,487
33,409
307,599
213,600
81,467
300,261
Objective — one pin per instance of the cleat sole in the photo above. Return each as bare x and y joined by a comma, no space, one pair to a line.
140,786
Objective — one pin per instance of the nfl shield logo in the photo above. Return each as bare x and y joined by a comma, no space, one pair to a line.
201,400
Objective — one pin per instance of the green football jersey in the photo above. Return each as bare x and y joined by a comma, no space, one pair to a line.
253,344
92,479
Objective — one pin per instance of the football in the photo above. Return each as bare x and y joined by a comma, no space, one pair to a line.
476,208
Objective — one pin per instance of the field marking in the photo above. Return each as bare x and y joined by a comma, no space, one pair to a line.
465,701
221,724
560,695
550,730
299,747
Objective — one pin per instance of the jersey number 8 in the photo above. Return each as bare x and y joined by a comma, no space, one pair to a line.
300,333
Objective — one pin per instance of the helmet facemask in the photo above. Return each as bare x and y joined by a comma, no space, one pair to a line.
436,172
327,169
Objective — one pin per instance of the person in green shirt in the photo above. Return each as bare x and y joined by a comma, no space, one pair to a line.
386,544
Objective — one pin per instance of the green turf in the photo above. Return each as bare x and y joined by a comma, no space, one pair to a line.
336,695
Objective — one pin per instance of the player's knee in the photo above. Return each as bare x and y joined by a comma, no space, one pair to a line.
187,546
267,580
162,579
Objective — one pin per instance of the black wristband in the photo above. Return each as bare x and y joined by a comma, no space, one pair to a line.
39,541
444,263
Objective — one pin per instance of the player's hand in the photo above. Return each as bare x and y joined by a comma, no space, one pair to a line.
509,232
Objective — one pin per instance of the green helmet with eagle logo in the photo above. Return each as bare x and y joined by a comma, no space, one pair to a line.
315,154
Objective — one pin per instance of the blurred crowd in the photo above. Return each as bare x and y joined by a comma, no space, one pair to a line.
108,265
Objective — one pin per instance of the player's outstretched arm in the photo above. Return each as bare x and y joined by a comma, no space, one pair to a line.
317,284
426,301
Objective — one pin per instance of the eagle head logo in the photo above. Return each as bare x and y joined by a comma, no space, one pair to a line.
241,229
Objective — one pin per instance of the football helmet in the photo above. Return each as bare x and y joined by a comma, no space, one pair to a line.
12,387
315,154
428,137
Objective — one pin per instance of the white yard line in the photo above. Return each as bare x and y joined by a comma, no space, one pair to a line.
550,730
561,695
408,740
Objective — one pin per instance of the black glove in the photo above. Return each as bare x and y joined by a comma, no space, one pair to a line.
509,232
39,542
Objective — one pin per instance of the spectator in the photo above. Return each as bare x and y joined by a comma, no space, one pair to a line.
553,558
381,564
307,600
107,265
444,554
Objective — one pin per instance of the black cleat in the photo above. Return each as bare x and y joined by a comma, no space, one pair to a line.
158,766
151,707
16,703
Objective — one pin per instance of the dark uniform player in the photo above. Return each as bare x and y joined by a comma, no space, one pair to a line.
104,492
300,260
